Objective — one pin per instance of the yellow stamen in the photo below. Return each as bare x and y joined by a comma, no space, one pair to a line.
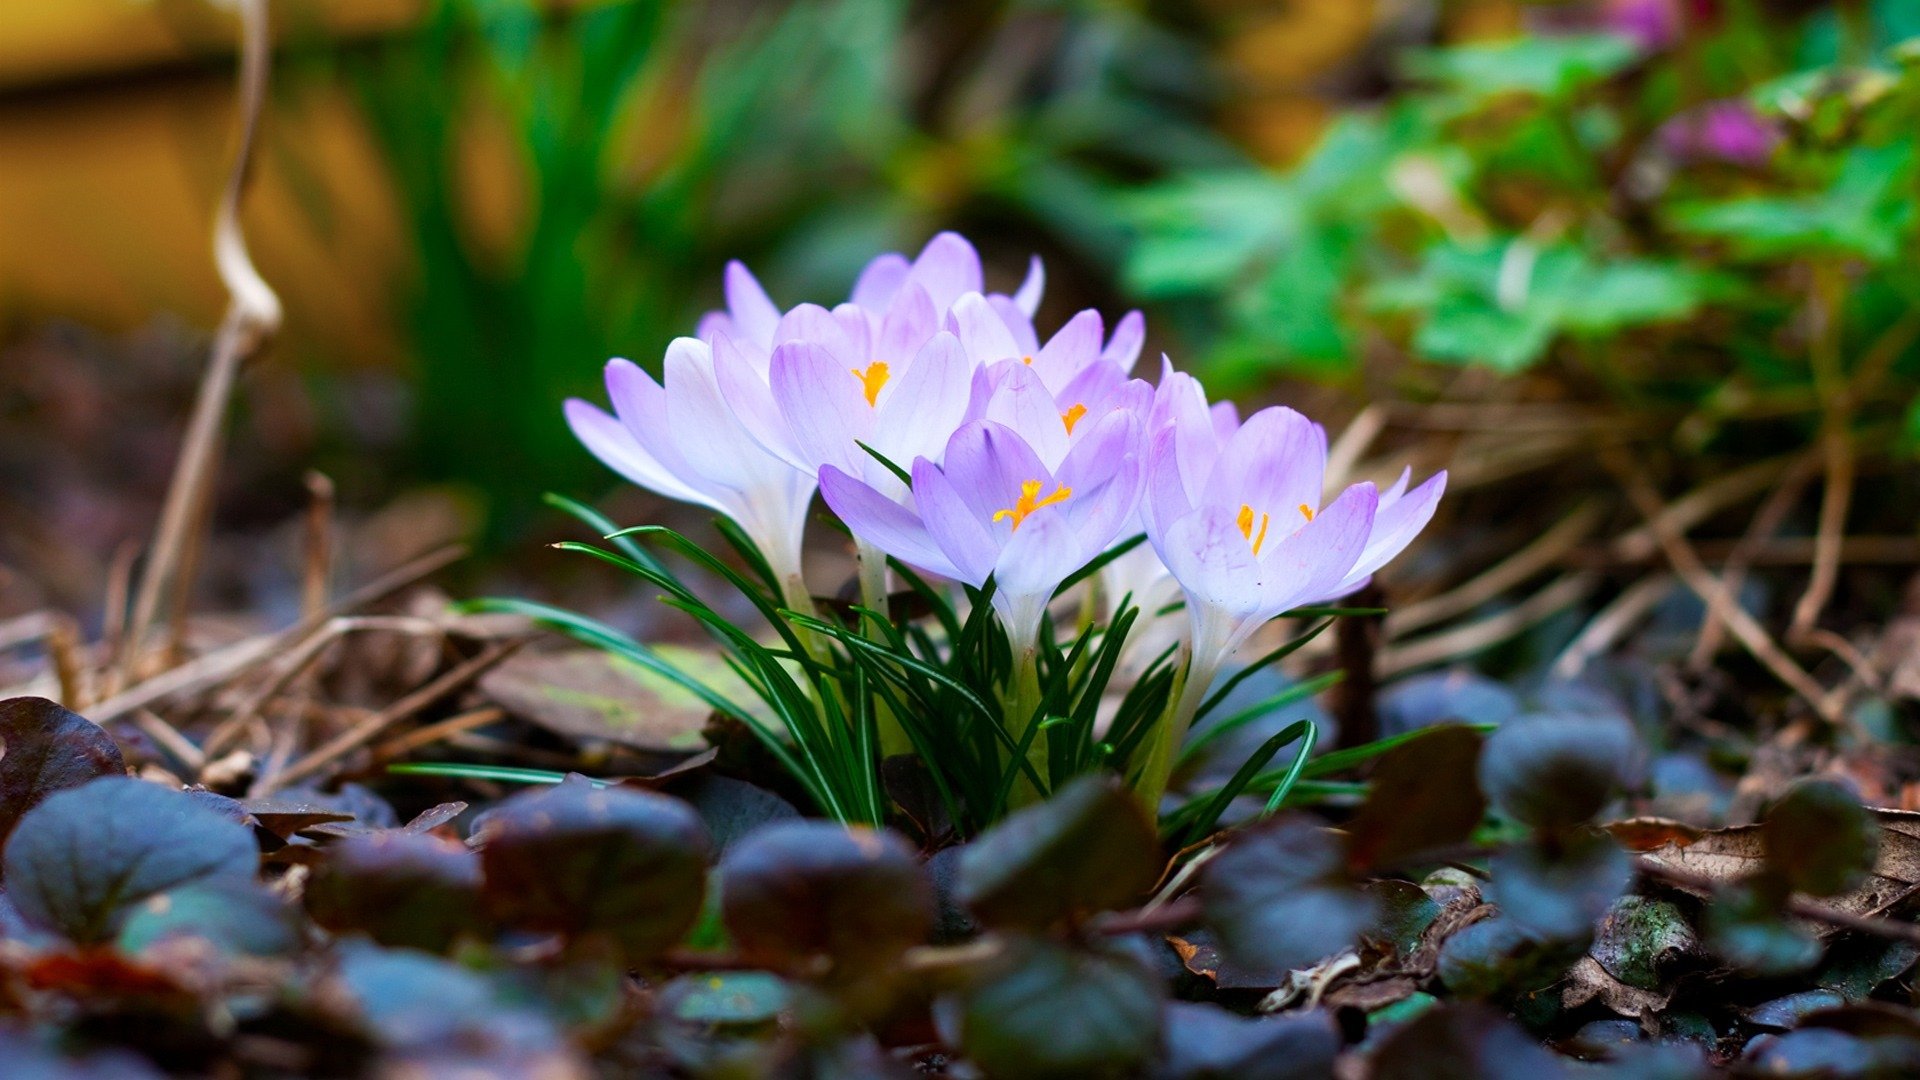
1245,521
872,380
1027,360
1307,510
1072,416
1030,501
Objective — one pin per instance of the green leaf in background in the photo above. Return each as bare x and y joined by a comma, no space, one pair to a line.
1552,67
1866,211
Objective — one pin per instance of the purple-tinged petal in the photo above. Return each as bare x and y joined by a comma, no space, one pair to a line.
609,440
1021,402
1129,334
909,322
641,405
965,538
744,388
883,523
706,431
1025,341
947,268
860,326
1036,559
1394,527
754,313
714,323
823,404
1275,463
987,462
919,411
1027,296
981,330
811,322
1072,348
880,279
1214,563
1308,565
1226,420
1166,499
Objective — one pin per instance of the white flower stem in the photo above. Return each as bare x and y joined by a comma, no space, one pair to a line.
1189,691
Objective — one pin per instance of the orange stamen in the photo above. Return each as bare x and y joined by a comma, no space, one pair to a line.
1072,416
1307,510
1245,521
1030,500
872,380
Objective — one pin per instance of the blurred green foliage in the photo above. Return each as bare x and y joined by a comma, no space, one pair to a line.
660,140
1726,218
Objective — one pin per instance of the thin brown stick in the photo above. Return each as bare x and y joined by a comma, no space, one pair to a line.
217,668
1615,619
1766,522
64,655
1835,500
318,564
1681,515
1712,591
365,731
1535,558
1474,637
433,733
168,738
1352,443
253,315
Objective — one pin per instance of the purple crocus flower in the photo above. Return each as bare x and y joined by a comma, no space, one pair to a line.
684,441
995,509
1730,131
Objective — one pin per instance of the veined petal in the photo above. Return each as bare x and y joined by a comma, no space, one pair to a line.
910,320
860,327
641,405
1214,564
608,439
1394,527
754,314
1129,334
1165,499
1036,559
823,405
1021,402
1275,463
1072,348
883,523
963,536
1028,295
1309,565
880,279
707,433
986,463
813,323
948,267
980,329
919,411
746,392
1026,341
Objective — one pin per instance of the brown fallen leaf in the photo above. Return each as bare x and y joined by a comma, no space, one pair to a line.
1588,981
1727,855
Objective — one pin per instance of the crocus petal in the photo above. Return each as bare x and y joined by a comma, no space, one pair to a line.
754,313
609,440
745,389
883,523
1037,558
919,411
1165,499
962,534
947,268
1021,402
1214,563
1025,341
1072,348
811,322
1128,336
909,321
880,279
1394,527
1275,463
987,462
1028,295
706,430
822,403
1308,565
981,330
641,405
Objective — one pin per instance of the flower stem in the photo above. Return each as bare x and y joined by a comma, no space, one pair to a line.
1023,708
873,596
1189,690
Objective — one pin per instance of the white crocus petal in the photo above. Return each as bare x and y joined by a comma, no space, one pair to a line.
1027,297
981,330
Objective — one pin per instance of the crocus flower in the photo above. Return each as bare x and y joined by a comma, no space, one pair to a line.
1729,131
684,441
995,509
1247,536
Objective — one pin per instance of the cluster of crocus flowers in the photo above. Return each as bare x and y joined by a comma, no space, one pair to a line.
944,432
